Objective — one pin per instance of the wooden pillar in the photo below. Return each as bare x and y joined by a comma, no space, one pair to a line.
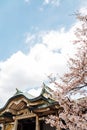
3,126
15,124
37,123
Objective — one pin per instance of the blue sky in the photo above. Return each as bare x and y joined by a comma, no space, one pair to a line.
35,38
17,17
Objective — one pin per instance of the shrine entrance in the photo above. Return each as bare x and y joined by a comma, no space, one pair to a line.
30,124
26,124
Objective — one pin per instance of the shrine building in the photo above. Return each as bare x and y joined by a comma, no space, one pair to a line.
26,112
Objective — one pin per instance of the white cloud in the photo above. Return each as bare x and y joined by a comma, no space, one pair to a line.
47,56
53,40
83,10
24,71
52,2
35,92
29,38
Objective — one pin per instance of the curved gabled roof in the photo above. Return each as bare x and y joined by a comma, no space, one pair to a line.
45,95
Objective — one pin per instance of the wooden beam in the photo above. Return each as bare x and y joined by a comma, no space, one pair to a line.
42,110
25,116
11,111
36,103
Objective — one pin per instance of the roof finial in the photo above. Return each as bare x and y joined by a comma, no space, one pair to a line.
18,91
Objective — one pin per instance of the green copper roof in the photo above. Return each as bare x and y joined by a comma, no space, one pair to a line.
44,95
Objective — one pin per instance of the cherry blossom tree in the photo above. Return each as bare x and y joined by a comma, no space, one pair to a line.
72,114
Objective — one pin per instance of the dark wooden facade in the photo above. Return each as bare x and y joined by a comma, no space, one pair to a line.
25,112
